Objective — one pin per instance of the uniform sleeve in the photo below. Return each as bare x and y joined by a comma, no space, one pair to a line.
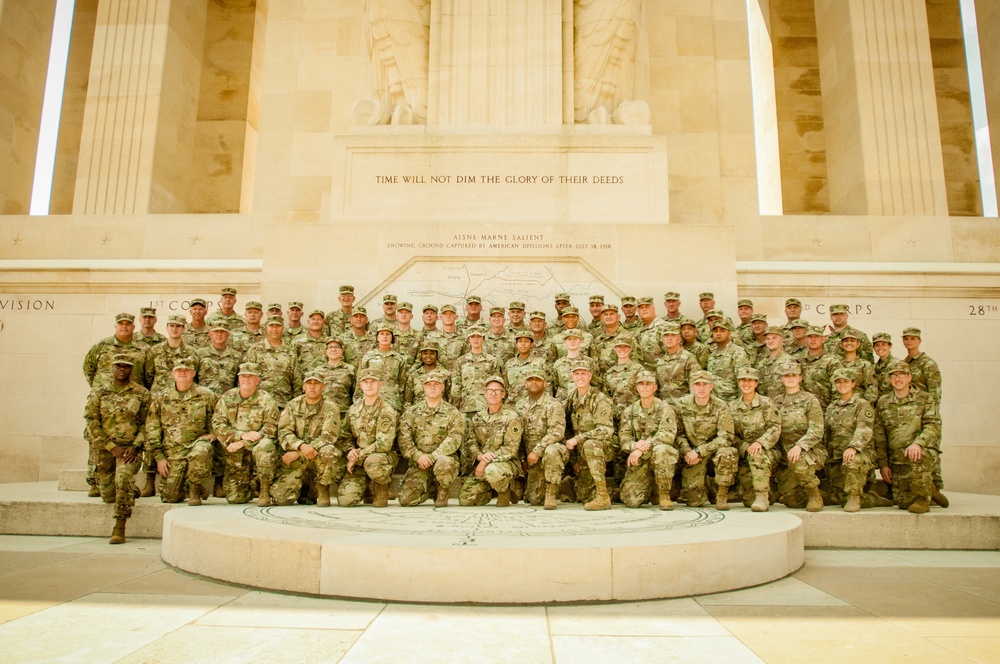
473,437
148,373
816,425
210,402
555,431
90,361
929,437
385,433
864,431
724,430
683,441
154,430
603,430
870,384
666,429
287,435
452,439
330,431
626,436
92,415
932,374
224,430
881,435
407,448
772,426
513,430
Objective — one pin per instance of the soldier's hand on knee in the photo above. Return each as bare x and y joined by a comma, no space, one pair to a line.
886,473
692,458
309,452
424,462
163,467
794,454
849,454
288,458
755,449
235,447
914,452
130,455
533,458
481,468
633,458
571,443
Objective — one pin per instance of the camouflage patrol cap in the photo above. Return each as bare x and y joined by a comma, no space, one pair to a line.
573,332
385,327
537,314
497,379
570,311
912,332
774,329
842,374
229,290
815,331
295,305
322,314
473,299
430,307
359,311
899,367
273,306
430,344
645,377
254,304
798,322
672,295
183,364
435,377
610,307
275,320
334,340
197,300
515,305
176,320
882,336
744,303
624,340
124,316
534,372
790,369
758,317
839,309
708,295
628,299
369,374
314,375
475,331
497,311
346,289
404,306
524,334
218,325
249,369
793,302
701,376
723,323
748,373
645,299
684,320
580,365
147,311
670,328
563,297
122,358
714,313
848,333
389,297
596,299
449,308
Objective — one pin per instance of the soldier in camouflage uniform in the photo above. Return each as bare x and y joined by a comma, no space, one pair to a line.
473,314
754,345
907,439
245,420
518,367
864,371
925,371
371,431
818,367
562,302
160,359
648,437
543,348
251,333
672,303
415,376
274,309
797,345
801,441
648,339
571,321
147,333
515,312
307,432
838,325
116,415
451,344
494,447
590,415
674,369
849,440
406,340
217,363
356,339
430,434
276,361
98,370
619,379
337,321
793,312
544,420
226,312
756,429
388,317
499,342
771,364
309,347
692,344
725,361
338,377
563,368
295,328
429,317
743,334
596,307
705,433
390,365
631,321
706,302
179,435
603,347
196,334
882,346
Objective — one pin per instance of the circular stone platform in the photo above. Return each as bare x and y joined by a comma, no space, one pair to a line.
517,554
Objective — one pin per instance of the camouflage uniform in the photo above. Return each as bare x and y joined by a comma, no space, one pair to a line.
756,422
500,433
817,376
317,425
116,416
310,353
849,424
865,351
899,423
356,347
196,337
469,382
338,385
242,340
586,344
391,368
234,320
603,347
179,430
217,369
545,351
724,364
562,370
160,361
708,430
372,430
864,378
926,376
337,323
619,384
756,351
235,416
451,346
277,369
544,421
436,432
292,334
591,422
701,352
517,369
648,344
97,364
656,467
770,374
672,374
407,343
413,391
500,346
882,375
801,424
150,341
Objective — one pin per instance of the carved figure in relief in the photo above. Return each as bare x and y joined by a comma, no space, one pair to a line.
397,33
605,45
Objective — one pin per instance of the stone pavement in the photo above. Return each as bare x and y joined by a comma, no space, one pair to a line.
80,599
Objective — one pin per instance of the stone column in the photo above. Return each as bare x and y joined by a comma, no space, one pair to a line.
879,106
497,63
140,115
988,19
25,37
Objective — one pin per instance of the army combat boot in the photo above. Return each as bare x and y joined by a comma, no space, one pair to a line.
939,498
503,498
149,488
815,503
380,495
94,492
118,534
853,503
264,497
602,501
761,503
663,489
322,495
920,505
443,493
551,496
722,499
194,494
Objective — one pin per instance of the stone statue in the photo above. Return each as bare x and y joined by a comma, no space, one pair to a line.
398,36
605,45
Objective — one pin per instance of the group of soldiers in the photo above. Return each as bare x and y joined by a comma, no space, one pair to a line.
630,406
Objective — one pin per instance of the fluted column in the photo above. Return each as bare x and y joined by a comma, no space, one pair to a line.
988,19
879,106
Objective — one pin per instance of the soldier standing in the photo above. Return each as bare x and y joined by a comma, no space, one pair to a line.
632,322
756,429
648,347
226,312
672,303
218,363
770,366
390,365
196,334
276,361
356,340
619,379
337,321
147,333
473,313
562,370
705,433
818,367
415,377
571,321
864,372
648,436
674,369
251,332
309,347
338,377
388,318
725,361
544,420
371,431
596,307
494,447
882,346
691,342
406,340
499,342
838,326
450,342
295,326
160,359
